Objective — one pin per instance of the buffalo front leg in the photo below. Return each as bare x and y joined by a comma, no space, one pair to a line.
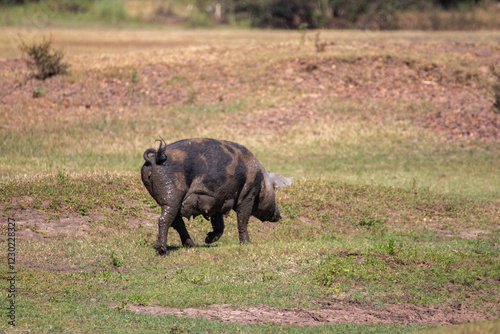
217,221
180,227
167,216
243,215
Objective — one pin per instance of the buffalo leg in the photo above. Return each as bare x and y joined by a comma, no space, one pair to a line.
180,227
243,212
217,221
167,216
243,215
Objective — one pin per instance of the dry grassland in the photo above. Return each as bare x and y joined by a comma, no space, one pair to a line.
264,88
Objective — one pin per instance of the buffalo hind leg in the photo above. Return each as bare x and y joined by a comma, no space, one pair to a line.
180,227
167,216
217,221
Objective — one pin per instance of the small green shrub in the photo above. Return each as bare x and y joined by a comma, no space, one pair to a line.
39,91
43,59
115,261
134,76
139,299
303,31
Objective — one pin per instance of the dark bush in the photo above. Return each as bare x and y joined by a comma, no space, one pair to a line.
372,14
284,14
496,89
448,4
323,13
377,14
74,6
15,2
45,61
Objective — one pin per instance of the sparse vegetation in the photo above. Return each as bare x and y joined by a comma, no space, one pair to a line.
191,96
320,44
39,91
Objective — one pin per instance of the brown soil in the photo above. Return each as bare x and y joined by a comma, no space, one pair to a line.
462,101
35,225
338,313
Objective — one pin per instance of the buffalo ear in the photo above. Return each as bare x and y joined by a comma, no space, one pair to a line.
279,181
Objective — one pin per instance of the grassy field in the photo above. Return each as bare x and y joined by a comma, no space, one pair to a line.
393,218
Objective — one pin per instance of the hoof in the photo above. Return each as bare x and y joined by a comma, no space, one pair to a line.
162,250
189,243
212,237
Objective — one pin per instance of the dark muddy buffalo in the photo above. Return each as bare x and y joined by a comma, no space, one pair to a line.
208,177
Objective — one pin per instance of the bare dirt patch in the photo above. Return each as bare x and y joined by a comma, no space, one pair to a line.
162,84
34,224
333,314
461,99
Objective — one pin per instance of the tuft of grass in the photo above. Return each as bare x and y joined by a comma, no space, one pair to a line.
39,91
303,31
115,261
320,44
191,95
134,77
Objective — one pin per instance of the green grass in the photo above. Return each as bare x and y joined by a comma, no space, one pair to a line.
452,271
379,156
285,267
364,254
